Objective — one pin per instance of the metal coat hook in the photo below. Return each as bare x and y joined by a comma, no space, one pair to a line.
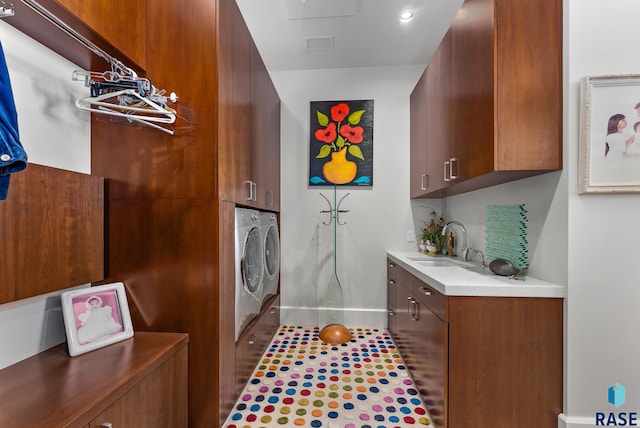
334,212
6,9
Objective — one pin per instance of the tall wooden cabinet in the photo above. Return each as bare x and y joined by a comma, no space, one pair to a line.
479,361
170,200
501,63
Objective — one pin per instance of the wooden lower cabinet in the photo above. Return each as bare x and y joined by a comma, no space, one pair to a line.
140,382
254,340
479,361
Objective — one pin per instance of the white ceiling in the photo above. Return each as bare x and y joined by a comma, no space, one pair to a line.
368,34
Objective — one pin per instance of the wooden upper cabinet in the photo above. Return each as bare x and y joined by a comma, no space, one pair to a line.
418,177
249,135
472,96
121,22
501,64
439,143
234,132
265,126
431,142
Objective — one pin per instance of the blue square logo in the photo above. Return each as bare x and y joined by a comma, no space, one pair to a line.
616,395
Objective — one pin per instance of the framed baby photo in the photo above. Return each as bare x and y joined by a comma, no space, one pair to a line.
95,317
609,148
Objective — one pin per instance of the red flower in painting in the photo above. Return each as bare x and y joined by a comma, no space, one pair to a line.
328,134
353,134
340,130
339,112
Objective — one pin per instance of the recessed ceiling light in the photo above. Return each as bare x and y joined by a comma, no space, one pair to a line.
406,16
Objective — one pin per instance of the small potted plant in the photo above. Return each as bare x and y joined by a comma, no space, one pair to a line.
432,237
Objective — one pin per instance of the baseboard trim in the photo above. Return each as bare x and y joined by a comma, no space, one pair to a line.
565,421
353,317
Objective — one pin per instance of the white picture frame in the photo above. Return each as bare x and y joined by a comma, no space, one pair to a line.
95,317
609,162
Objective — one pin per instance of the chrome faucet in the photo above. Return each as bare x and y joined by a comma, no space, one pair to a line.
482,260
465,249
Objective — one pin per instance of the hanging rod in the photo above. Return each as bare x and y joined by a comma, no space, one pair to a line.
116,64
6,10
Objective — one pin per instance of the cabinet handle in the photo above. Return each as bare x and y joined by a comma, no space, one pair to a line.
392,265
106,425
425,291
391,312
411,308
269,198
273,310
453,176
254,191
252,339
250,185
392,282
446,168
424,182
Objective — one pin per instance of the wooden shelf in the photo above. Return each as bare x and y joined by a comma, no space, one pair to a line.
53,389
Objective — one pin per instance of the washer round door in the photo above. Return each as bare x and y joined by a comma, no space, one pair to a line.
251,264
272,252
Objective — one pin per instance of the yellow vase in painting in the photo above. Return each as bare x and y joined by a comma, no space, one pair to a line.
339,170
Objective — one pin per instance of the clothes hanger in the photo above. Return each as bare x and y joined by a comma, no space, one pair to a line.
128,103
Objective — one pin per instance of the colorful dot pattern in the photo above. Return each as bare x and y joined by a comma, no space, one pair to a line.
302,381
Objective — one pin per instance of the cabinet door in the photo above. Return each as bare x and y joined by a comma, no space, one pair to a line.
392,306
404,325
159,400
472,89
254,340
440,166
265,120
234,125
430,337
419,179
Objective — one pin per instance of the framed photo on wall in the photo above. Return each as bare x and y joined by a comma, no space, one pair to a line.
95,317
609,150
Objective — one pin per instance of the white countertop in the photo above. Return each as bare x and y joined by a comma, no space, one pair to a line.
450,276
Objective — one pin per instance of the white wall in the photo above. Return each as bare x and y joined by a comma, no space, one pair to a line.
603,313
545,198
378,217
53,133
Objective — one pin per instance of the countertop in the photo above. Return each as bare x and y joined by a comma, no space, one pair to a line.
452,276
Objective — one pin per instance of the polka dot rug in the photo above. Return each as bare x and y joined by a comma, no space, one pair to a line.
302,381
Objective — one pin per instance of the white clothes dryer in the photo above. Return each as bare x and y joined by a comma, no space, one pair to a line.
249,267
269,225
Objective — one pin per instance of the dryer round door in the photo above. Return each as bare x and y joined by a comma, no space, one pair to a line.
251,264
272,252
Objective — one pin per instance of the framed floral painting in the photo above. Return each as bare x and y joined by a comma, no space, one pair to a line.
341,143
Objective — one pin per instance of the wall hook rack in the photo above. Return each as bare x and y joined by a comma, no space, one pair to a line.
334,210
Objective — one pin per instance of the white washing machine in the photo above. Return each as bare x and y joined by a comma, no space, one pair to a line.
249,267
269,225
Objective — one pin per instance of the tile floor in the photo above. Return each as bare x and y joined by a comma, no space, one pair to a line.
303,382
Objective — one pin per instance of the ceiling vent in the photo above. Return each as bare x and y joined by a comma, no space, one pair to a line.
307,9
324,42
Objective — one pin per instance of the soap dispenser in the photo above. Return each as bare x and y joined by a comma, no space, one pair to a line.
451,244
